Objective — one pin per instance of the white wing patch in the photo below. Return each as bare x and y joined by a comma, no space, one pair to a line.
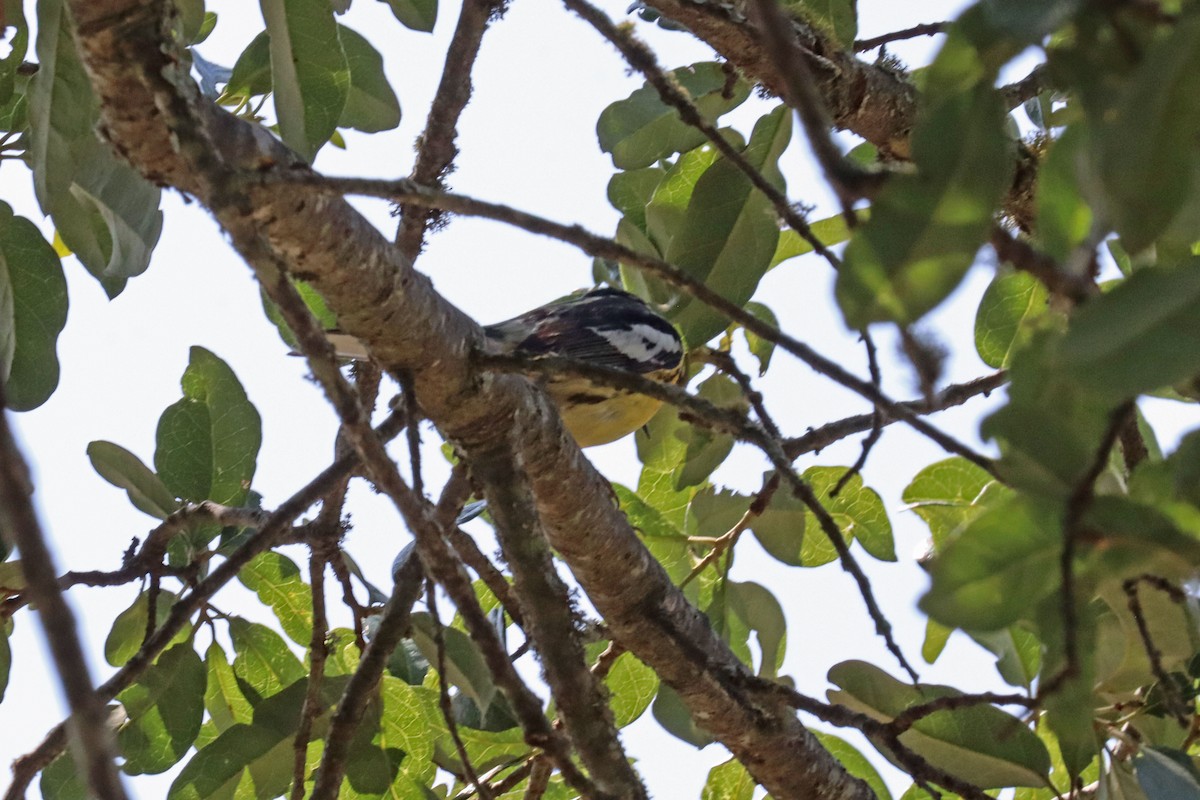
640,342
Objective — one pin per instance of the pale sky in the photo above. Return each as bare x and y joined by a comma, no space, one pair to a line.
528,140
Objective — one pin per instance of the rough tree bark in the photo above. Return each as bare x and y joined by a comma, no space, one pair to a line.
154,116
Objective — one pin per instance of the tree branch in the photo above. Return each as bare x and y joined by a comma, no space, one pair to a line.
89,717
154,111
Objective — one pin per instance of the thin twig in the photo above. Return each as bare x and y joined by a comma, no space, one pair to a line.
850,181
422,519
1171,699
447,708
924,29
318,651
876,418
1077,506
641,58
552,630
272,529
96,751
435,148
729,421
603,247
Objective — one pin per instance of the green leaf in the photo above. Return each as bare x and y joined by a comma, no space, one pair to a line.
1071,709
165,708
631,191
465,665
309,71
730,781
209,440
251,74
33,311
1051,426
936,636
1018,653
254,759
854,762
129,628
1012,303
729,232
13,14
642,129
417,15
707,449
673,715
783,532
106,213
830,231
276,580
759,611
791,533
981,744
263,663
631,685
1167,774
61,781
1005,561
838,17
1156,343
925,229
760,348
948,494
191,19
126,471
223,698
312,300
1146,149
12,577
410,716
1064,216
371,106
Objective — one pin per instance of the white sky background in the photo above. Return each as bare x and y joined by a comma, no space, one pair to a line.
527,139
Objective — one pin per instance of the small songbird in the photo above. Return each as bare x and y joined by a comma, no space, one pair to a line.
603,326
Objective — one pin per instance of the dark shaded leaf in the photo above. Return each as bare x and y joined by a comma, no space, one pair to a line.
165,708
33,312
417,15
126,471
209,440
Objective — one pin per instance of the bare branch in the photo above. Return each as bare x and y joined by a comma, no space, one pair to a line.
272,529
436,149
550,625
607,248
89,718
924,29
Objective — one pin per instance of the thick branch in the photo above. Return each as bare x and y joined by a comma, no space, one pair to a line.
154,113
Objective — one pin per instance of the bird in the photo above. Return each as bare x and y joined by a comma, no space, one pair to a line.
603,326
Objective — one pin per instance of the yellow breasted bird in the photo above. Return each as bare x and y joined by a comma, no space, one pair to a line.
604,326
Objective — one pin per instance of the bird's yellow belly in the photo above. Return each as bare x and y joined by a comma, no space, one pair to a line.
609,419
